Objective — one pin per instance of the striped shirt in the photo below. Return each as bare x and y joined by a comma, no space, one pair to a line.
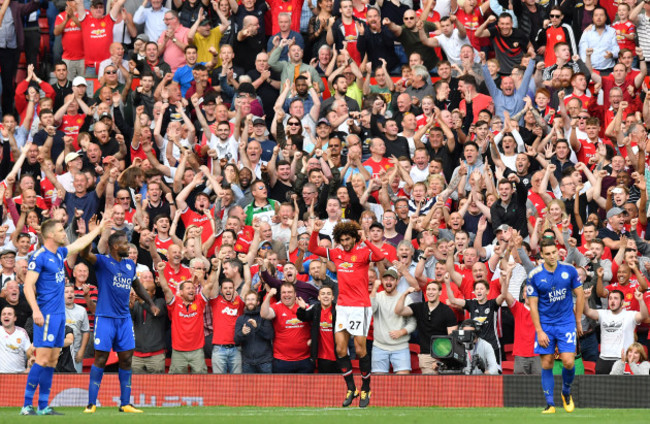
643,33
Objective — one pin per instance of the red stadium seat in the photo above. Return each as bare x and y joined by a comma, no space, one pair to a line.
508,351
508,367
590,367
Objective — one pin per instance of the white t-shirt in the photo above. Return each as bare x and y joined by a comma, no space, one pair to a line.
418,175
66,181
228,149
451,46
13,350
281,234
616,332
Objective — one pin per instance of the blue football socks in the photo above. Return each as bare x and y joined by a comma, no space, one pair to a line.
125,386
567,380
548,384
33,378
96,375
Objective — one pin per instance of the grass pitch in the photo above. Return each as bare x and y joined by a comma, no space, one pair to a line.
371,415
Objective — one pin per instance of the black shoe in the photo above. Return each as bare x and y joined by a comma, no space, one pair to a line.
364,400
349,397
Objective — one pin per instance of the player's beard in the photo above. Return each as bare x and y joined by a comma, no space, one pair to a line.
123,253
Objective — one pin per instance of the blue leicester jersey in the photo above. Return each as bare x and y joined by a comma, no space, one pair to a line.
554,290
114,280
50,285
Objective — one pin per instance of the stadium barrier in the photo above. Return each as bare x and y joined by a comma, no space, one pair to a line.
327,391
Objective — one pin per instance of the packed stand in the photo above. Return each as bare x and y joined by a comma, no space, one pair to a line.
229,142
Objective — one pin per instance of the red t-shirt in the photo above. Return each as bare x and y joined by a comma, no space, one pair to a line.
175,278
162,245
97,38
554,35
625,28
70,125
360,14
352,273
224,317
351,37
608,84
325,336
629,302
467,284
377,167
538,202
524,331
585,99
191,217
471,22
128,215
292,336
137,153
607,254
587,151
48,190
293,7
480,102
389,251
72,39
187,323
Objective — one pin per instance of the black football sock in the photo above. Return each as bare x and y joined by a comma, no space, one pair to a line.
345,364
365,366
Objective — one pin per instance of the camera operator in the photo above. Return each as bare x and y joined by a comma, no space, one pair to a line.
480,355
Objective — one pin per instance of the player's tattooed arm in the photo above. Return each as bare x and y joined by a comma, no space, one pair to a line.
142,293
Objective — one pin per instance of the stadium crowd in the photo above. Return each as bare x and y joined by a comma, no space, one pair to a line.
231,142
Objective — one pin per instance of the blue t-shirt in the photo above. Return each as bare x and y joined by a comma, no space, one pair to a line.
554,290
114,281
50,285
89,204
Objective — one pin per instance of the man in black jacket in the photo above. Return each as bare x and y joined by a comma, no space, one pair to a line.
149,330
511,207
255,336
322,316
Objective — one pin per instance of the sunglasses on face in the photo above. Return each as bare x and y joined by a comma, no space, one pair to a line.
111,72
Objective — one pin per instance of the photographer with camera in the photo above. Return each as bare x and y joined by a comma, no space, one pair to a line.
481,310
480,355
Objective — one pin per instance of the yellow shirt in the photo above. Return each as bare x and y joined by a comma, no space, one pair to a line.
203,44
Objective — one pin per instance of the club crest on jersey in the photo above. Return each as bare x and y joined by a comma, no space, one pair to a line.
353,258
129,267
565,275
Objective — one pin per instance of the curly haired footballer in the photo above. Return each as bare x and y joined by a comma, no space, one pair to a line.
347,228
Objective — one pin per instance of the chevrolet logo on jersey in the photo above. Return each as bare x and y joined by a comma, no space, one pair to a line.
346,265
